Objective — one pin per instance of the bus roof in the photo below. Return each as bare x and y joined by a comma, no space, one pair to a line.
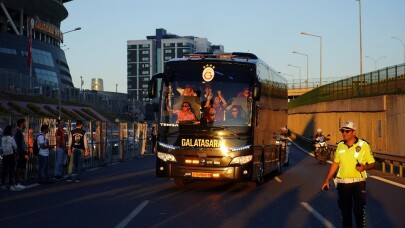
234,56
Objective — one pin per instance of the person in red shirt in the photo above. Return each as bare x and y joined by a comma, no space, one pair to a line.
185,113
218,106
60,149
244,93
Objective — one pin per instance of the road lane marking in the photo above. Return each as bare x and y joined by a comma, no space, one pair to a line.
277,179
323,220
132,215
388,181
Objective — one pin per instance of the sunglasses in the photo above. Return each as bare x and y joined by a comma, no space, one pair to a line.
347,131
185,106
235,111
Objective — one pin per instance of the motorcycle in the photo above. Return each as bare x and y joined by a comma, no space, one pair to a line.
283,143
321,152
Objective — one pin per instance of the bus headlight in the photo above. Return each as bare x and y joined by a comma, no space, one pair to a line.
242,159
166,157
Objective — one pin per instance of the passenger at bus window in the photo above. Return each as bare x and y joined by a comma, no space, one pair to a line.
188,91
209,114
244,93
207,91
186,113
235,116
219,105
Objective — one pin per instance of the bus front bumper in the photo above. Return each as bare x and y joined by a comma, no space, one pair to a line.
231,173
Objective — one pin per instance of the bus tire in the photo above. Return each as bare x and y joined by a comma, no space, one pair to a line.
260,175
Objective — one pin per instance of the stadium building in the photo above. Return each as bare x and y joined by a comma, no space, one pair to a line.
31,58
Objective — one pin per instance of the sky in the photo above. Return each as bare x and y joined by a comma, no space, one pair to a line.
268,28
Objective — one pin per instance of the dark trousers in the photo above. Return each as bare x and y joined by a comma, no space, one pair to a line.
352,199
8,169
43,166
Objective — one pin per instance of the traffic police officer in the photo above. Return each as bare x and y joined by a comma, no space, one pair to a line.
353,157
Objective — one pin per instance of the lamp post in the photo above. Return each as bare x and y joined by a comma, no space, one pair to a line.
116,88
375,60
361,44
299,75
403,44
320,54
60,81
291,75
307,64
78,28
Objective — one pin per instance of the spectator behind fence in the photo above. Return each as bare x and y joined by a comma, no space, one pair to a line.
22,152
9,146
77,150
60,149
43,156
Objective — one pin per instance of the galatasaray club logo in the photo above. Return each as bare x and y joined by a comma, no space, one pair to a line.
208,72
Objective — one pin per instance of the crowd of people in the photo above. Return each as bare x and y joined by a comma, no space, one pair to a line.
16,153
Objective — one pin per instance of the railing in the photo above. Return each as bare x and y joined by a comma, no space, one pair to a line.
107,142
395,162
389,80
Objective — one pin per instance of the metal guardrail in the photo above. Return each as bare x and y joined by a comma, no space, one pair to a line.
395,162
389,80
111,154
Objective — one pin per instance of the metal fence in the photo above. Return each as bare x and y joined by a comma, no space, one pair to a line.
389,80
108,142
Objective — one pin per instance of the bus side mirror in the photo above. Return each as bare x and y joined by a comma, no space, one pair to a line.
257,88
152,88
153,84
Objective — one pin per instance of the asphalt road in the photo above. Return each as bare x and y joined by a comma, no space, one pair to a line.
128,194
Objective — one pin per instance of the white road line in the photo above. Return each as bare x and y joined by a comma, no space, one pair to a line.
388,181
132,215
277,179
323,220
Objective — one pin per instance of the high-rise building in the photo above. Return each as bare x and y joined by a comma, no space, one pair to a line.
147,57
31,57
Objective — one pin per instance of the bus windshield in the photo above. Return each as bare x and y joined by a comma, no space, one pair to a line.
207,93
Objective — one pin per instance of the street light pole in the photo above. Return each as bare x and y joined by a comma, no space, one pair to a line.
60,78
320,54
375,60
307,64
78,28
361,44
299,75
291,75
403,45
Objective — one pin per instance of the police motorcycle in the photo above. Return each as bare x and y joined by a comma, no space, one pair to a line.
283,144
321,152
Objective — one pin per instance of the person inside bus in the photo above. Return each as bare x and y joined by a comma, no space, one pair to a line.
235,116
188,91
185,114
244,93
219,105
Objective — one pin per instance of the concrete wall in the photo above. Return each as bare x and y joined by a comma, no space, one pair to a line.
379,120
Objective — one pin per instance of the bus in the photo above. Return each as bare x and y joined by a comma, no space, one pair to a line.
218,117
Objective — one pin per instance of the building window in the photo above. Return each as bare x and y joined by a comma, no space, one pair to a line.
168,50
8,51
145,59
